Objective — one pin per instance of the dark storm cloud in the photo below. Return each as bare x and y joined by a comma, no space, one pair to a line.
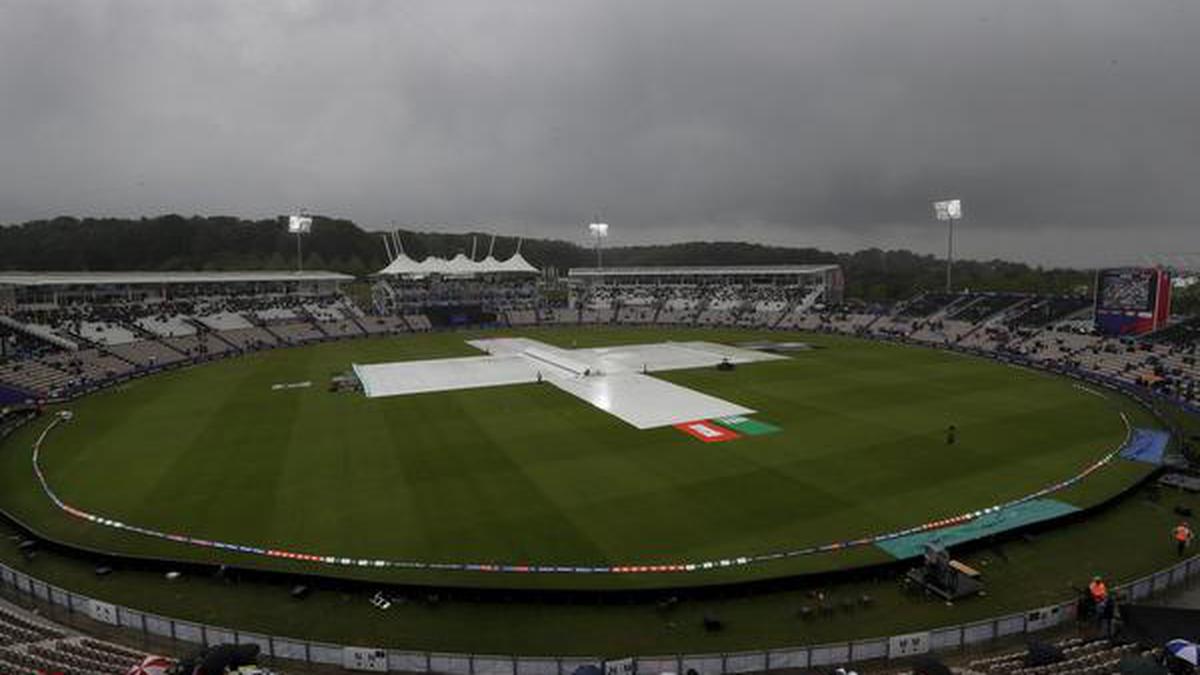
1070,128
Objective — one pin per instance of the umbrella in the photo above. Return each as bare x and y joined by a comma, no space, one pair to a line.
151,665
1187,651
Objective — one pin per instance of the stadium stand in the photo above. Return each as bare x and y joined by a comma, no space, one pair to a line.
565,315
520,317
383,325
146,353
593,315
1078,657
250,338
418,322
31,646
60,351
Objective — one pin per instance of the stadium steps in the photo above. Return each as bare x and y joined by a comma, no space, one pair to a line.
897,311
354,314
999,316
312,320
955,308
85,343
902,307
148,336
203,329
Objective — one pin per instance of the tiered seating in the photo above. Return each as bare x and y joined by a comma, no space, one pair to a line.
20,344
70,656
1045,311
589,315
171,325
720,307
90,365
330,312
599,298
248,338
224,321
200,345
29,645
418,322
77,658
635,304
412,295
565,315
340,328
851,322
945,331
275,314
34,377
377,325
800,320
1099,657
294,332
16,627
927,304
1182,334
1057,345
679,307
105,333
765,313
146,353
32,339
986,305
987,338
521,317
636,314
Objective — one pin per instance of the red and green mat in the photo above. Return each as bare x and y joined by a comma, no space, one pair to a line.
747,426
726,428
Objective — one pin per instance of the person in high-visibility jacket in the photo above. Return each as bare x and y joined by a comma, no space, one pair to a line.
1099,593
1182,534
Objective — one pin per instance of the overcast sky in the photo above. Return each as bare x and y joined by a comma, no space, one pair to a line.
1071,128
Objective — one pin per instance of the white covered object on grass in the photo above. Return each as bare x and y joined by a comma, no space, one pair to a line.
609,378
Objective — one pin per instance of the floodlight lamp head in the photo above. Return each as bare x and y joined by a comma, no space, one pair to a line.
598,230
948,209
299,224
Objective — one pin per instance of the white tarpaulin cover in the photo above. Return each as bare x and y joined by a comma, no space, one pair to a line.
609,378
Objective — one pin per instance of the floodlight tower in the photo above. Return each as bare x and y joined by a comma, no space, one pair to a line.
299,225
948,210
599,232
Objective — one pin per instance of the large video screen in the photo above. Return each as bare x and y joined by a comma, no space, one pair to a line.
1128,290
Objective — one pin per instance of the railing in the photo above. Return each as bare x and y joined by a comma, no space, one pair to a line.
67,606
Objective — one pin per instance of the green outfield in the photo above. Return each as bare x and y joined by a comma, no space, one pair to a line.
529,475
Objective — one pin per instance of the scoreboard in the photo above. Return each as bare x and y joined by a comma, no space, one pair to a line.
1132,300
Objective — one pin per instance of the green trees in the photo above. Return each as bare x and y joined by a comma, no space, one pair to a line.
174,242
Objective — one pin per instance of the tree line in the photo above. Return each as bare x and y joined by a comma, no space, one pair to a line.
174,242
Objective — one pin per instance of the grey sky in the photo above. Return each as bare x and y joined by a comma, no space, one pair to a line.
1070,128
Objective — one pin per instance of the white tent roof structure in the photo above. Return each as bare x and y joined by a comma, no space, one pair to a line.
517,263
460,264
